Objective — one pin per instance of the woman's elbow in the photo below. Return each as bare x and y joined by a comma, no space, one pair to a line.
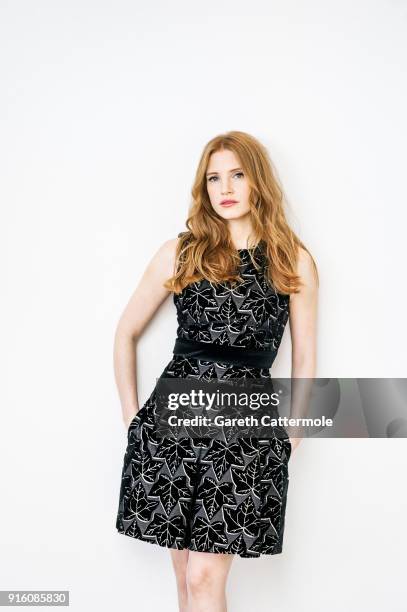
125,332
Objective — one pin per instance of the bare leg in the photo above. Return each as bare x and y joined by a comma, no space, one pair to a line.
179,560
206,581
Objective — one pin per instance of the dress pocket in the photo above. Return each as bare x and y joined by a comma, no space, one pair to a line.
286,443
288,448
131,423
136,420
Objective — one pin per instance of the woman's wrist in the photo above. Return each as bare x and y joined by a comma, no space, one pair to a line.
129,414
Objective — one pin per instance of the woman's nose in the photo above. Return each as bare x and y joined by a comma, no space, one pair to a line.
226,187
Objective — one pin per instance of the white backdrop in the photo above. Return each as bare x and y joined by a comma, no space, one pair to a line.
105,109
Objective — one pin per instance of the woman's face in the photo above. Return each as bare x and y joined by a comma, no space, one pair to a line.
226,181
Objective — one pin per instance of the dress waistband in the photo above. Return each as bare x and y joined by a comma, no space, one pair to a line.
222,353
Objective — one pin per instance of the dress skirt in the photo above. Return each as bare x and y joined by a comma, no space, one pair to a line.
202,494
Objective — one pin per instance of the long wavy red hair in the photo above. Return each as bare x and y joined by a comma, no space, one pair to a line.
205,250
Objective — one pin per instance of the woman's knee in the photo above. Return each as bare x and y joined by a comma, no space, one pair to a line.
200,579
204,577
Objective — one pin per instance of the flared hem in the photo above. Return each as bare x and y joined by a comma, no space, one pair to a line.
218,550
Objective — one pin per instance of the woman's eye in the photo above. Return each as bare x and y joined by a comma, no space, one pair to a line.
212,178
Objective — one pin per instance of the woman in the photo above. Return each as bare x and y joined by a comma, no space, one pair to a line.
237,275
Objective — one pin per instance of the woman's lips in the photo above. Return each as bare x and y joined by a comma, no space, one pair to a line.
228,203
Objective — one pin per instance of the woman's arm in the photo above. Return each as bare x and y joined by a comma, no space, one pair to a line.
303,328
147,297
303,320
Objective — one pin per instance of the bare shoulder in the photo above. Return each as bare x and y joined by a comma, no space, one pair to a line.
169,247
305,268
164,257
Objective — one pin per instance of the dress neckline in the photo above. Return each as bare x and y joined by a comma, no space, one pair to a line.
255,248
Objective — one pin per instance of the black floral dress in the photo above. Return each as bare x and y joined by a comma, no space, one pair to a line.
211,495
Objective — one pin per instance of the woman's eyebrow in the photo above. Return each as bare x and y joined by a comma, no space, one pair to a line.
233,170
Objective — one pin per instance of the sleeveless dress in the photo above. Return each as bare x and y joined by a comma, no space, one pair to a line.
208,495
